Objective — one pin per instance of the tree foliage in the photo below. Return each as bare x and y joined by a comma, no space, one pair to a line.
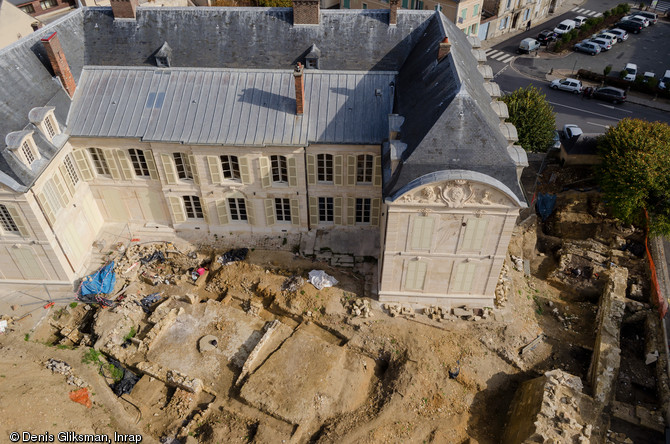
533,118
635,173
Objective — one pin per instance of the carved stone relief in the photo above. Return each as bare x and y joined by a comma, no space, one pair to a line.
456,194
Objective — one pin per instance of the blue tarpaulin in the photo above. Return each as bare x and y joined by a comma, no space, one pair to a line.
100,282
545,205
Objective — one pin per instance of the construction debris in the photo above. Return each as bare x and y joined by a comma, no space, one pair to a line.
320,279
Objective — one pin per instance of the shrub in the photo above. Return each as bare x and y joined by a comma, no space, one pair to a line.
653,82
533,118
607,70
607,13
623,73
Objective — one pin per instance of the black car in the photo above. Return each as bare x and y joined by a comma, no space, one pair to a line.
609,93
546,36
630,26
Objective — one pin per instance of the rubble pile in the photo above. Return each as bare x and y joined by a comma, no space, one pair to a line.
293,284
503,287
359,307
64,368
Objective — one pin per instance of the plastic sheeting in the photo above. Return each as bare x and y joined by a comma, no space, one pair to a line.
320,279
100,282
545,205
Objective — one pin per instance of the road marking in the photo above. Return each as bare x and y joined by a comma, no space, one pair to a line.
500,57
491,51
598,14
613,107
591,13
575,9
508,59
500,72
585,111
597,124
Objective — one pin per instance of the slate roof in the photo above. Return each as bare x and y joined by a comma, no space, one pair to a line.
231,107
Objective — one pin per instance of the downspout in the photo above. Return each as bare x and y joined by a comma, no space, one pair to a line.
53,231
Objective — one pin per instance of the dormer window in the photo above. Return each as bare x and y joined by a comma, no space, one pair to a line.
45,120
49,127
28,154
21,144
312,58
163,56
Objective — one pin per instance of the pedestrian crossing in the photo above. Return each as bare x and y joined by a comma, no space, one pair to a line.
661,7
587,12
498,55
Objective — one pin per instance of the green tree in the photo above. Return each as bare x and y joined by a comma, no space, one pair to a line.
533,118
635,172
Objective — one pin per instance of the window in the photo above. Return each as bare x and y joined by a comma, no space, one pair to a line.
99,161
193,207
422,232
183,166
365,6
362,211
51,196
231,167
475,11
27,152
475,234
50,129
46,4
405,4
364,168
279,169
139,162
474,28
526,14
438,7
347,4
69,167
416,275
325,209
509,3
464,13
503,23
238,208
324,163
6,221
28,9
283,210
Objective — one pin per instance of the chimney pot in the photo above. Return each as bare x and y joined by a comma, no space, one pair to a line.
444,49
393,12
306,12
124,9
59,62
298,74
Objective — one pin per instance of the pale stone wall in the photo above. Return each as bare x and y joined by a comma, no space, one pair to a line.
14,24
538,10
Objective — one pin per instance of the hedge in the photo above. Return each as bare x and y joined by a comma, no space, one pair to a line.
636,85
591,26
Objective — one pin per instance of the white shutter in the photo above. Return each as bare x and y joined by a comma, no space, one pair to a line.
314,211
480,234
415,275
292,172
18,219
269,212
111,164
311,170
82,164
475,233
243,162
48,212
194,169
251,217
337,210
377,171
338,170
177,209
62,194
351,211
463,276
67,179
351,170
151,164
374,211
295,211
422,232
264,163
125,165
169,169
214,169
222,211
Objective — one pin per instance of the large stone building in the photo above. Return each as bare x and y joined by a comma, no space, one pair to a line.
504,16
226,122
14,23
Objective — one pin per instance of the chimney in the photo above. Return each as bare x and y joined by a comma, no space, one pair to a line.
445,47
124,9
59,63
393,12
306,12
299,89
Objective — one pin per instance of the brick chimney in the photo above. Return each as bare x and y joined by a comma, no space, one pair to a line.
306,12
444,49
124,9
393,12
59,62
299,89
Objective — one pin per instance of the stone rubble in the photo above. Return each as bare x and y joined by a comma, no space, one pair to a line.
64,368
359,307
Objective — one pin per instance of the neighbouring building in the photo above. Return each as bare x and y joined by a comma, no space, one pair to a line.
504,16
36,8
14,23
195,121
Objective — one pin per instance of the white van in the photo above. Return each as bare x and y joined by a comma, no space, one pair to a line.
565,26
528,45
665,80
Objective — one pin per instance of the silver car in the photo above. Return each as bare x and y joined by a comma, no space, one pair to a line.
572,85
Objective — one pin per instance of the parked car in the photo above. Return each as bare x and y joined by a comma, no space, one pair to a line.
572,85
546,36
587,47
651,16
665,80
620,34
630,26
604,44
610,93
631,70
647,76
565,26
637,18
579,21
610,38
527,45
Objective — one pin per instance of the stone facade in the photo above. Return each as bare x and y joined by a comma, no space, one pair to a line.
505,16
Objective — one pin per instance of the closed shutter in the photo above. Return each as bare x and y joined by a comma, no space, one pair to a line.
463,276
292,172
251,217
337,210
169,169
243,162
338,170
67,179
222,211
214,169
295,211
194,169
311,170
18,219
177,209
83,165
351,211
351,171
111,164
377,170
422,232
374,211
416,275
269,212
475,233
314,211
62,194
151,164
125,165
48,212
264,163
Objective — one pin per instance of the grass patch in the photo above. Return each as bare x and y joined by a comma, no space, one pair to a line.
92,356
26,337
131,334
73,305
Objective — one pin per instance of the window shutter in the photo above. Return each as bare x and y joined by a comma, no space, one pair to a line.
62,195
214,170
151,164
422,232
377,170
292,172
351,171
194,169
337,210
463,276
269,212
111,164
416,274
374,211
169,169
480,234
250,211
125,165
67,179
295,211
314,211
243,162
264,163
222,211
475,233
311,170
48,212
18,219
338,170
351,211
205,210
177,209
82,164
468,277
